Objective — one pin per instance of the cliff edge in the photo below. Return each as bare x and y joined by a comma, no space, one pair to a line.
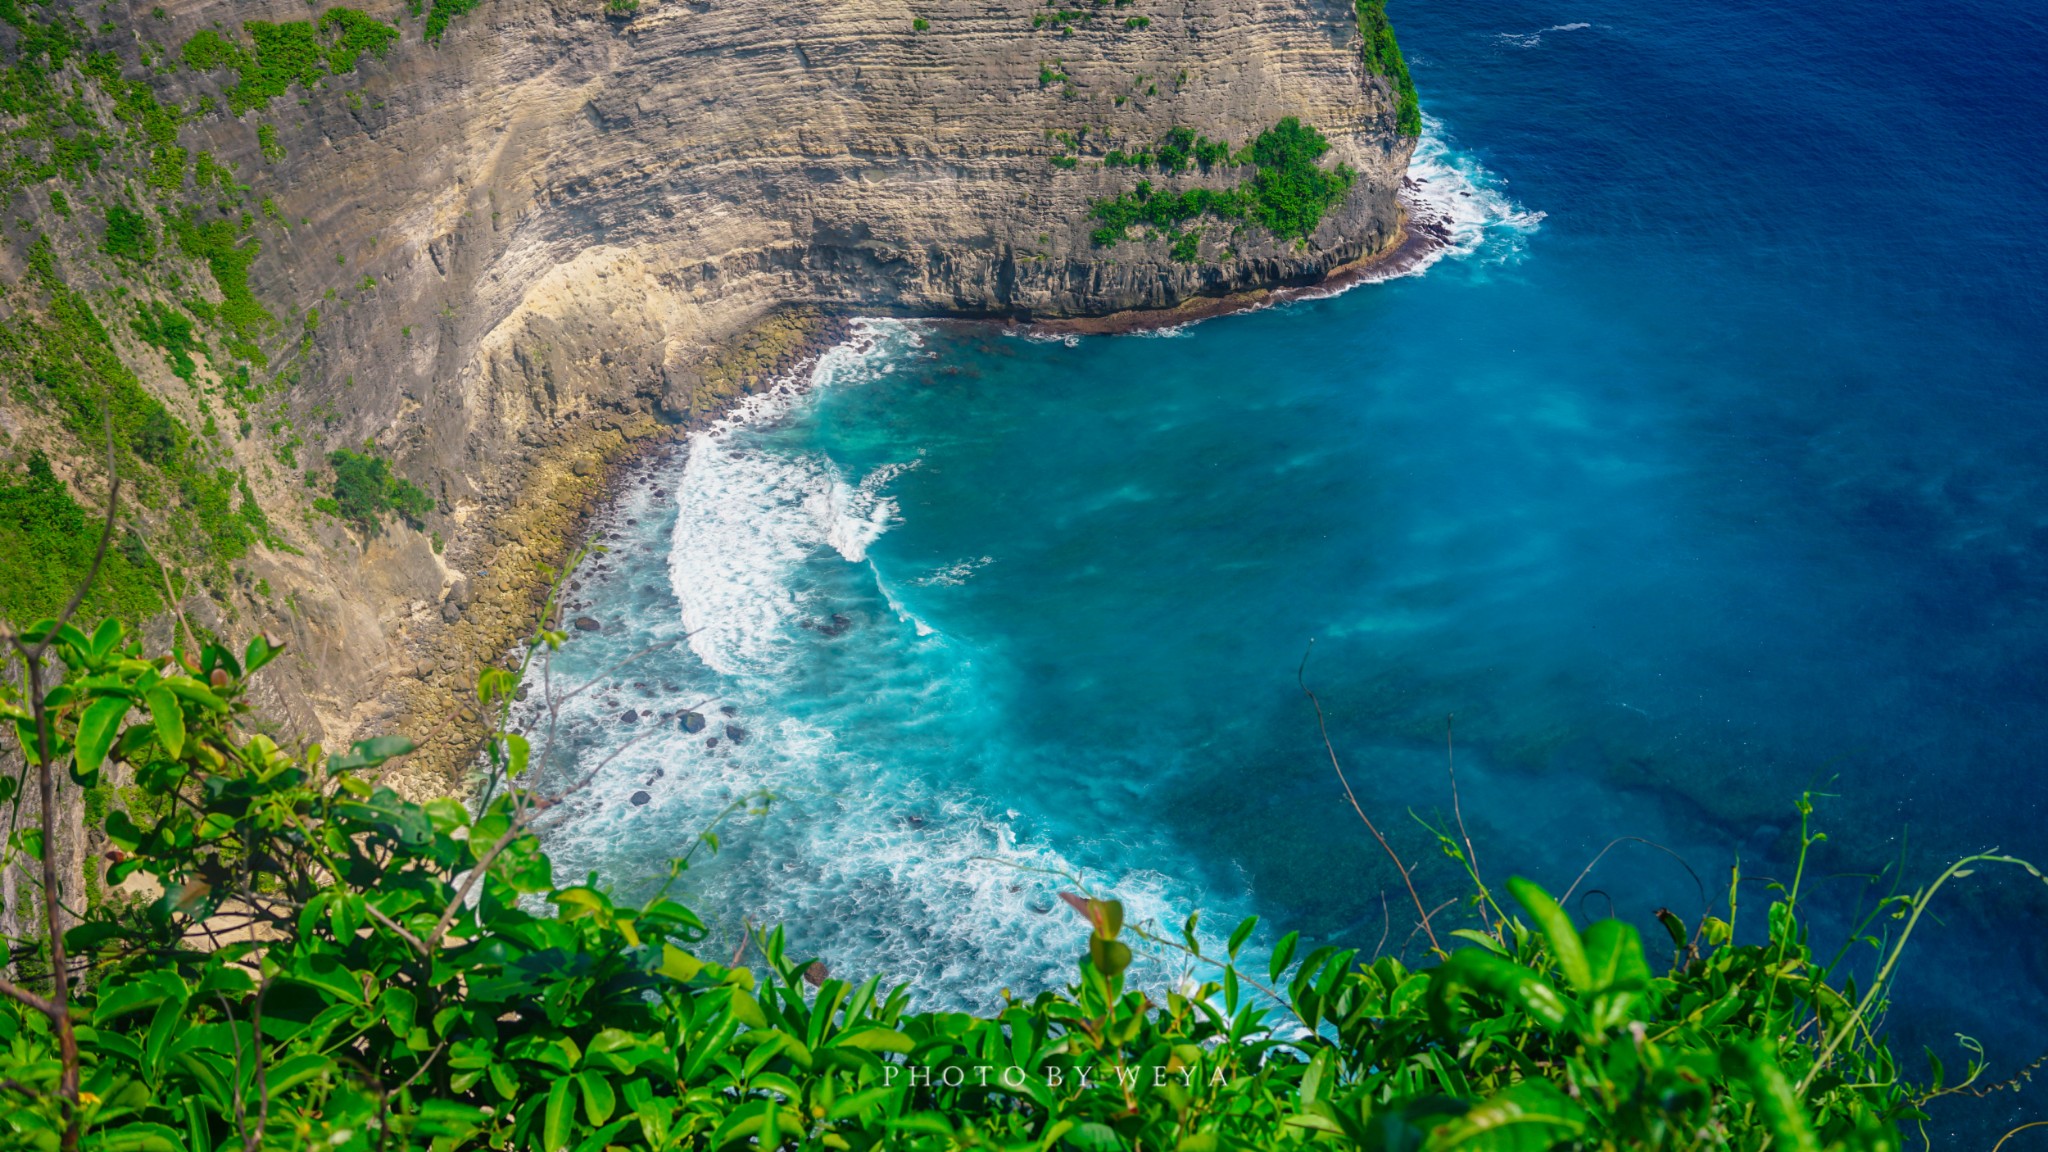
487,246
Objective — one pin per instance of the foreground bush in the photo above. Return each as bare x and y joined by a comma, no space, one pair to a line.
319,964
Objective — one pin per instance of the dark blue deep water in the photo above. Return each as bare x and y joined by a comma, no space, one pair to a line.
1710,472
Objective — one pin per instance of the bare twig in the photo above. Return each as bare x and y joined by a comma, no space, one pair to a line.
1705,904
1322,726
519,825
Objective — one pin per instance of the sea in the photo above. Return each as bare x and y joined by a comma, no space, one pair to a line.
1706,469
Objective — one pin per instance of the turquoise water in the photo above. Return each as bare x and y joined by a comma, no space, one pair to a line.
1707,471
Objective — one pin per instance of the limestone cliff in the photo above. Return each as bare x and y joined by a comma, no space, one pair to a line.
560,226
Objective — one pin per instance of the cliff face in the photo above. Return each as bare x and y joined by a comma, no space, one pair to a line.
558,228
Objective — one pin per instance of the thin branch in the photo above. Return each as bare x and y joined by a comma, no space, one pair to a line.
1705,904
519,825
25,996
1322,726
388,922
1458,813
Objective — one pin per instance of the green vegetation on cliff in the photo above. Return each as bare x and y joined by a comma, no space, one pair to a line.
1383,58
365,489
50,540
1287,195
315,962
294,52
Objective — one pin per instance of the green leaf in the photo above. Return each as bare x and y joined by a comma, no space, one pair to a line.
1557,930
96,732
1500,979
370,753
1614,957
1242,933
599,1100
259,652
874,1040
1776,1102
1284,954
105,637
560,1119
169,718
1532,1116
293,1071
677,964
133,1136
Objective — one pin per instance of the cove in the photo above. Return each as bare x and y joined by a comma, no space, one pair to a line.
1707,472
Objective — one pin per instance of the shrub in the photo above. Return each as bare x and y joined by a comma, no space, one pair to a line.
129,235
1288,194
170,331
920,24
365,489
266,143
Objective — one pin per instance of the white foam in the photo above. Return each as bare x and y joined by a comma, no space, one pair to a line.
1451,190
748,518
1535,39
955,574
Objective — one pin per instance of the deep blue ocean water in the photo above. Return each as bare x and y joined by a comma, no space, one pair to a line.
1709,471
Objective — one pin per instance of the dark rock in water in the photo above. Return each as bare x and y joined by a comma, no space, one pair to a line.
735,733
646,712
711,741
639,798
524,689
629,717
815,974
839,625
575,585
586,624
914,821
729,709
693,722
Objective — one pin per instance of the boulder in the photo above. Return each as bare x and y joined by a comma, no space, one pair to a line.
693,722
639,798
586,624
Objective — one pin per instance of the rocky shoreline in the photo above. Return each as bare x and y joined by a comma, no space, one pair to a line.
487,615
1416,243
